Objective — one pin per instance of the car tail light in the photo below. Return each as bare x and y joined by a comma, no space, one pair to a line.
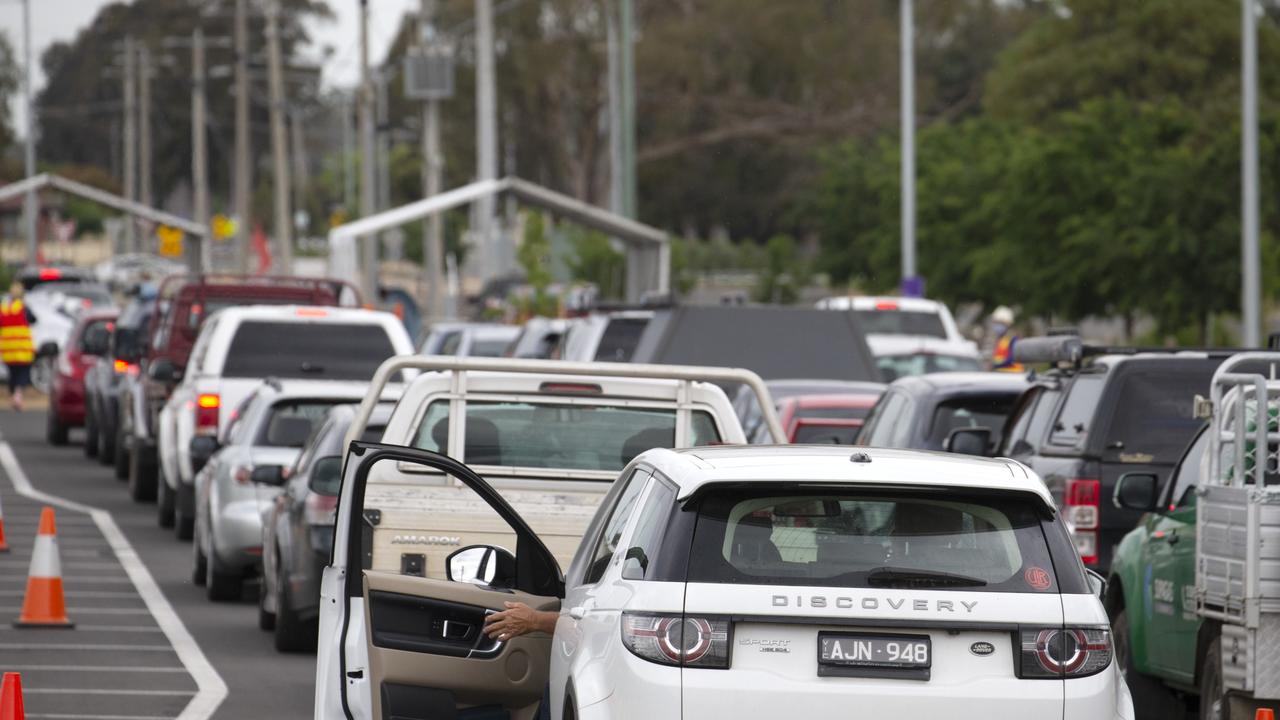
1057,653
886,305
569,388
319,509
681,640
207,406
1081,516
243,474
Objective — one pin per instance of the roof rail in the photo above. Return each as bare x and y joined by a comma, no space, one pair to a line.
1071,350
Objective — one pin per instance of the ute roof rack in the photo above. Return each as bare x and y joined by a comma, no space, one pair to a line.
174,284
1071,350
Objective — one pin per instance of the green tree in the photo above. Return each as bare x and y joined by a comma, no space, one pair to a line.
9,85
534,256
595,260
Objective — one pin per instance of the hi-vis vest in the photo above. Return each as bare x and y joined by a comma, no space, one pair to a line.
16,347
1002,356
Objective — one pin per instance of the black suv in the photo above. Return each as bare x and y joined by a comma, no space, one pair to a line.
1083,426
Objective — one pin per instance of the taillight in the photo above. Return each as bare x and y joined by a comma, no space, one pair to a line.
243,474
207,406
680,640
1081,515
1056,653
319,509
121,367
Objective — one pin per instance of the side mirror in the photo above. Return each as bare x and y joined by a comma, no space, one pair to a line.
326,476
268,475
481,564
202,448
1097,583
163,370
1136,491
48,349
968,441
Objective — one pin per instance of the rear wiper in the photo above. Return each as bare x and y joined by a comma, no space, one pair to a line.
310,367
908,578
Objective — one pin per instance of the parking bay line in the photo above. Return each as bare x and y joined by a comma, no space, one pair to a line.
96,668
211,689
80,610
99,691
85,647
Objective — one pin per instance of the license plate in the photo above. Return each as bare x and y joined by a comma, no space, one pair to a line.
907,657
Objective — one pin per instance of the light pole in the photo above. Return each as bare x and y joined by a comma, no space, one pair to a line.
486,134
911,285
31,205
1250,257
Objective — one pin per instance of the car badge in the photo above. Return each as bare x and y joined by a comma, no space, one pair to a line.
982,648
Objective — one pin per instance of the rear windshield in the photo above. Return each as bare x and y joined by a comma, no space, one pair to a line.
320,351
901,322
490,347
291,421
546,435
620,339
978,411
893,367
1153,414
819,434
834,413
96,334
930,538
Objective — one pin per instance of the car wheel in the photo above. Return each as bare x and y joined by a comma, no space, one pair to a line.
183,524
106,444
220,585
293,634
1213,701
165,500
42,373
142,476
55,430
266,618
199,563
570,712
90,431
121,456
1149,694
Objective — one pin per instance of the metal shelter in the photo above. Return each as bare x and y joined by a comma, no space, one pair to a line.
648,249
129,207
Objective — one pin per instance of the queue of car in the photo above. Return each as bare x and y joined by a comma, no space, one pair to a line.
306,447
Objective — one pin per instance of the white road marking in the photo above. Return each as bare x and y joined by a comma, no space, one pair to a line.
61,716
76,594
96,668
81,610
113,647
212,690
96,691
94,628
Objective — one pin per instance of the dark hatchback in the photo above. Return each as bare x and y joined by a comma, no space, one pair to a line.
933,412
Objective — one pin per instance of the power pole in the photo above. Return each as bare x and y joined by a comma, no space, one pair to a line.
909,281
368,188
348,156
279,141
243,178
627,60
486,134
1250,258
432,168
383,118
144,140
299,154
31,204
130,140
198,257
613,69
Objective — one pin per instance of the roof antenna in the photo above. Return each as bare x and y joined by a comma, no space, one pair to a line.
860,457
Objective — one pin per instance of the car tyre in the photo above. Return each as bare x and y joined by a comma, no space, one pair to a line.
165,500
199,564
1149,694
183,525
42,373
142,476
55,430
121,456
1214,704
106,438
219,585
293,634
90,431
266,618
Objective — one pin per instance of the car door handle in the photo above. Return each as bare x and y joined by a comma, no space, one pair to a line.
577,613
1172,538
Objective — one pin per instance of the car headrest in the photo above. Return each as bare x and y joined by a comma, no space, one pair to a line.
288,431
483,445
647,439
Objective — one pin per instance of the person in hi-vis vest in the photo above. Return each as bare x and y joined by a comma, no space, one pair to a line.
17,350
1006,338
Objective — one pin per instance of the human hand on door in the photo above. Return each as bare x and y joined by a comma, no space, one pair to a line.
519,619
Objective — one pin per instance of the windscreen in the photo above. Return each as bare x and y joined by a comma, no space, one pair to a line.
319,351
901,322
916,538
553,435
893,367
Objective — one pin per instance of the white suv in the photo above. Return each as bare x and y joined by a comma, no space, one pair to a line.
746,582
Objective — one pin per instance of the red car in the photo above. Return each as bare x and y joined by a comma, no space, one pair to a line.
88,341
825,419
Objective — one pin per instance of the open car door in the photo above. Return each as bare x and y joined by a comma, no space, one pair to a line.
401,631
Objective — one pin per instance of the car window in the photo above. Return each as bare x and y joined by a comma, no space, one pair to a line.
235,428
642,550
554,435
611,535
975,411
882,421
815,432
1181,492
449,345
1019,422
901,322
317,351
1152,416
290,422
488,347
621,336
1072,426
96,335
866,538
896,366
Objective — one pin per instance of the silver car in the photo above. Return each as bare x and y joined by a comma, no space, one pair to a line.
245,474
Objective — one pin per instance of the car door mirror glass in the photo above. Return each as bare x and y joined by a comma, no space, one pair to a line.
163,370
968,441
326,476
1136,491
268,475
481,564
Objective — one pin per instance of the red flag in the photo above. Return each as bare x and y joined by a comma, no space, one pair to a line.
263,248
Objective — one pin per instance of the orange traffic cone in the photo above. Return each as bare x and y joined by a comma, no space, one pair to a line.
4,546
1265,714
11,697
44,605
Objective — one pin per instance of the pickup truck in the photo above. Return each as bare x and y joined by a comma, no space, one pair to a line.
183,304
550,436
1194,590
237,348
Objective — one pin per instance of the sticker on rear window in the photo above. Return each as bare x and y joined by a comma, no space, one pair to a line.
1038,578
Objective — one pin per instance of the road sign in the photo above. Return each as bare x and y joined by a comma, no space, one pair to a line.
170,241
224,227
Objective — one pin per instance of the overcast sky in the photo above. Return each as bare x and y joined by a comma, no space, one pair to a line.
54,20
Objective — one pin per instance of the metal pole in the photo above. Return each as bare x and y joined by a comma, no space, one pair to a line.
486,133
144,140
382,114
298,137
628,91
348,157
368,187
908,143
432,167
130,141
199,256
242,155
1250,259
615,109
31,205
279,143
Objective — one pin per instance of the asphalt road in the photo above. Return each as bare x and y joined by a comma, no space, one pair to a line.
126,658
